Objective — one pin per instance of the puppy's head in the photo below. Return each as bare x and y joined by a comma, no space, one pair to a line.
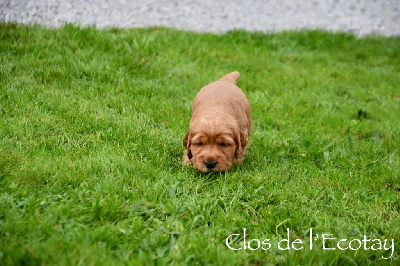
213,146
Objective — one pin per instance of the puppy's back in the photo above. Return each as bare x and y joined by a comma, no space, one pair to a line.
226,95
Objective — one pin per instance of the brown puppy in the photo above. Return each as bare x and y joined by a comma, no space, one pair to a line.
220,127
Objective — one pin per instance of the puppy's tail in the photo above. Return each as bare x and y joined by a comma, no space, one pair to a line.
231,77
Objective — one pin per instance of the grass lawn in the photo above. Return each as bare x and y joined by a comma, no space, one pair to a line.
91,129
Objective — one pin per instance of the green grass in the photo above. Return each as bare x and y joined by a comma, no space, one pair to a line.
91,129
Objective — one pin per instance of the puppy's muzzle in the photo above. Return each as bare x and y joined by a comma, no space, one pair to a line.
210,165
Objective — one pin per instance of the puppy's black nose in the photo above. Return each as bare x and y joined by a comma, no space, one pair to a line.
210,164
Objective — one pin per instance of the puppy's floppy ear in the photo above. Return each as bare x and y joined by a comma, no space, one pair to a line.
241,144
187,143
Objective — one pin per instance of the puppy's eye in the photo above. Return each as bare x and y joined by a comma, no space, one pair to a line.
223,144
200,144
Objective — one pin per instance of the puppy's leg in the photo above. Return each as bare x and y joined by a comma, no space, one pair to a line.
187,155
186,159
240,156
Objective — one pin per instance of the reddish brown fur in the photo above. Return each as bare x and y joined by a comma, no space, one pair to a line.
220,127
